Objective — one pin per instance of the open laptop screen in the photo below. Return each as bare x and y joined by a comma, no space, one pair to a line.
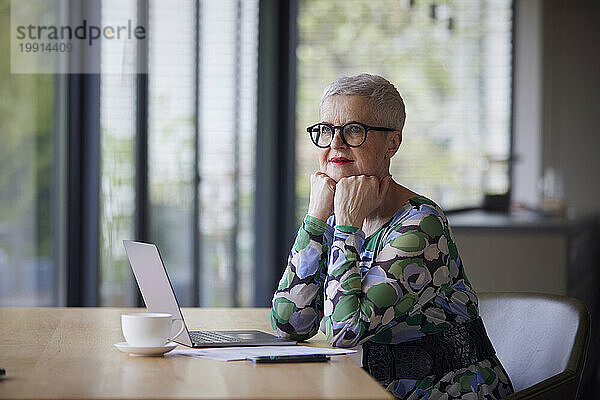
154,283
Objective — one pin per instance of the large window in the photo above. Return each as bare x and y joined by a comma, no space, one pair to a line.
227,133
201,106
30,165
450,61
177,146
172,138
118,114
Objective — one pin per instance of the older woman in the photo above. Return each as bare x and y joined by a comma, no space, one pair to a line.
376,264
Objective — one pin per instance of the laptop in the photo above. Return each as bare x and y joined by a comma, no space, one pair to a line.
158,294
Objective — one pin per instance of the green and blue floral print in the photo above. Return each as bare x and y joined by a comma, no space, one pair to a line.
404,281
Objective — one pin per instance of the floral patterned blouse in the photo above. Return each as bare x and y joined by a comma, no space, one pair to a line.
404,281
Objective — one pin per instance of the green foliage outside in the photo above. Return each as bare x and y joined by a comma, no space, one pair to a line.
415,51
26,151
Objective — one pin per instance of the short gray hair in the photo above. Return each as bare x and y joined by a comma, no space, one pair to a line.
386,103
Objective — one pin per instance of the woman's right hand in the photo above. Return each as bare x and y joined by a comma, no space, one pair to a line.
322,191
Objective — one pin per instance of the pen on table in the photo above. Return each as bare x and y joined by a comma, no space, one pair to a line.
289,358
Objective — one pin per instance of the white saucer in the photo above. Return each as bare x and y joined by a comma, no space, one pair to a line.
145,351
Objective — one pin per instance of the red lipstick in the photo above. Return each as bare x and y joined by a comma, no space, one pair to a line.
340,160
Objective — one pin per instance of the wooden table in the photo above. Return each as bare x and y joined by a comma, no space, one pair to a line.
68,353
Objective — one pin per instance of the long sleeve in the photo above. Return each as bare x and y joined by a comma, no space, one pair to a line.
413,287
297,306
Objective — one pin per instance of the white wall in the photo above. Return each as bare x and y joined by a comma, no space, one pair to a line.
557,100
571,99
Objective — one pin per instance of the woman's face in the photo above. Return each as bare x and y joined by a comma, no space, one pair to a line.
372,157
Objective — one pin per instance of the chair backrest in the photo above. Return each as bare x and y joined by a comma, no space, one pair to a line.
541,340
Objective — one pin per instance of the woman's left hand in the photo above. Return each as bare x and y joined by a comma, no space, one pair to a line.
358,196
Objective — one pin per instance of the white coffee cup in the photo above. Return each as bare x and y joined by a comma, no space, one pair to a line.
149,329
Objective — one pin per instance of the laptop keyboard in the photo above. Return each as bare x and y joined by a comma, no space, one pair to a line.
211,337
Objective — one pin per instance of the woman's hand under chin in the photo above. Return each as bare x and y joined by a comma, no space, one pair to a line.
322,191
358,196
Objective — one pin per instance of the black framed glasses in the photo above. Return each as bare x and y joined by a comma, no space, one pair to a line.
353,133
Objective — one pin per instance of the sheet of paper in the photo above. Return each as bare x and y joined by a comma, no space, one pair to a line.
240,353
